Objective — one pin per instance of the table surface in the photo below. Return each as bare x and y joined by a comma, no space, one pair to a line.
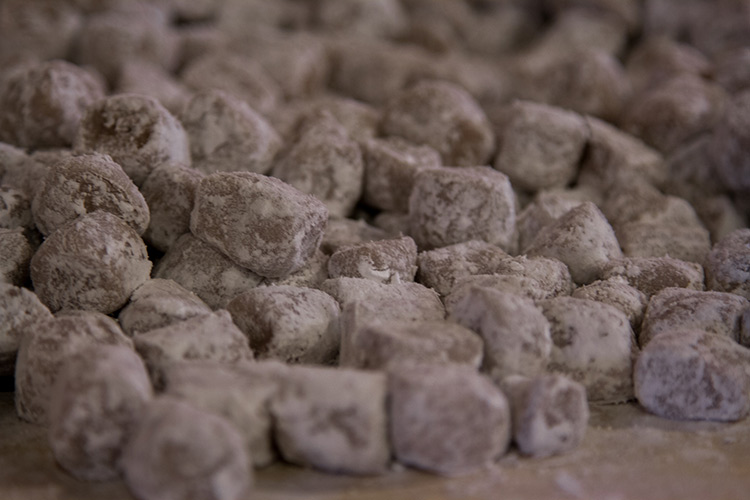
627,454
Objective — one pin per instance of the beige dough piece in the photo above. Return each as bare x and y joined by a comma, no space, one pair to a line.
384,261
20,308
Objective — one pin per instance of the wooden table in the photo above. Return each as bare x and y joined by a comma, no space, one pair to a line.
627,454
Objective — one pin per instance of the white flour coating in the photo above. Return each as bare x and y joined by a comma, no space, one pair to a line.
17,252
96,401
246,391
333,420
616,292
259,222
326,163
442,268
19,310
158,303
136,131
652,274
94,262
205,271
515,332
547,207
46,345
384,261
541,146
290,324
681,309
550,413
443,116
227,135
210,336
179,452
446,419
582,239
384,343
82,184
593,344
15,207
452,205
728,264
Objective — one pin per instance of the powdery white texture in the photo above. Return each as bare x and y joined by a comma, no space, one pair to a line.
205,271
147,78
312,275
550,413
381,344
43,103
582,239
653,274
517,285
546,208
344,232
290,324
441,268
446,419
210,336
333,420
593,344
94,262
326,163
453,205
681,309
158,303
237,75
443,116
728,264
97,399
612,154
19,310
515,332
391,165
617,292
540,146
259,222
227,135
178,452
82,184
17,253
693,375
169,191
385,261
243,398
645,239
551,275
44,347
136,131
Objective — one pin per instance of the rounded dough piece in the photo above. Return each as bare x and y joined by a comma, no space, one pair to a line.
92,263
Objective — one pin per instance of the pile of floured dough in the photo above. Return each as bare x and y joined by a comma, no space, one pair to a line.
348,233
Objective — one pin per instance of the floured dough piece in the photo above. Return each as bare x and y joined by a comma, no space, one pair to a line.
453,205
243,397
83,184
550,413
618,293
98,397
259,222
728,264
178,452
227,135
94,262
682,309
582,239
593,345
19,310
210,337
446,419
380,344
515,332
291,324
44,347
384,261
333,420
693,375
136,131
158,303
205,271
17,253
650,275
